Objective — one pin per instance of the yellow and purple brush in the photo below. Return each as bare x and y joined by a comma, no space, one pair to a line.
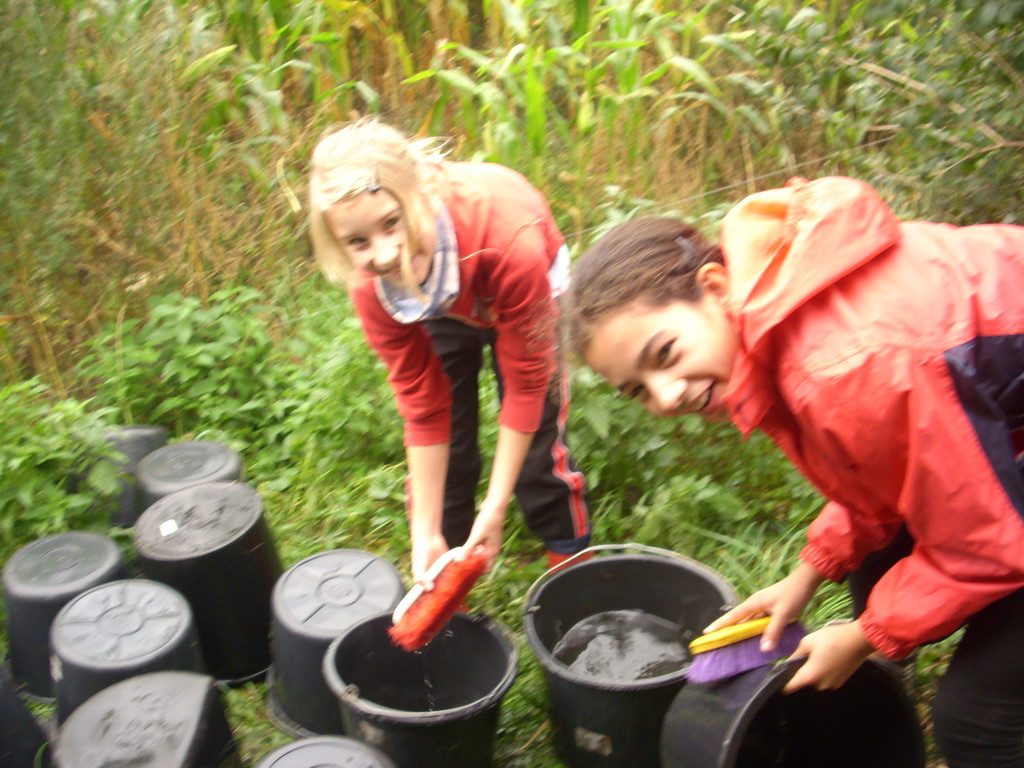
736,649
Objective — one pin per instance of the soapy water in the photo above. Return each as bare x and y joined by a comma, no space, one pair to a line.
622,646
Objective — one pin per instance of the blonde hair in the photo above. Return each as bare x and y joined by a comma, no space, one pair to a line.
364,156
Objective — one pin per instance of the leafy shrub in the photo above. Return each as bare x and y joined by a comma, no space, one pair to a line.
653,479
343,421
189,365
57,468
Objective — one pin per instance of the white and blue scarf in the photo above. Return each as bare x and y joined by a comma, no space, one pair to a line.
438,292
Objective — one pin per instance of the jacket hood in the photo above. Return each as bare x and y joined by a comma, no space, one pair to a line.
784,246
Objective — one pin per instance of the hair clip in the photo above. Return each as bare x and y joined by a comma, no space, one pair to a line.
689,251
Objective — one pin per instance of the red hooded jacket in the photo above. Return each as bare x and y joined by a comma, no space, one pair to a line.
886,359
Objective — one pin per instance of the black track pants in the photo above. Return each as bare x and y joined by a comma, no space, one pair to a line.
978,712
550,490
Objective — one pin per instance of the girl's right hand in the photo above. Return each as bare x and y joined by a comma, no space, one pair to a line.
424,553
783,601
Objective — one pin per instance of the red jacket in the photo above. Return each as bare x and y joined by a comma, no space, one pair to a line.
507,242
886,359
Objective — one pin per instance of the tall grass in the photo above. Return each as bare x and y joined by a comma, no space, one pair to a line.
164,148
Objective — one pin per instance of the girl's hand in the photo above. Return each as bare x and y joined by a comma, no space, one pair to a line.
784,601
833,653
424,553
488,531
509,456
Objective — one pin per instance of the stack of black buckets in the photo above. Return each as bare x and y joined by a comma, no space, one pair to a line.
137,663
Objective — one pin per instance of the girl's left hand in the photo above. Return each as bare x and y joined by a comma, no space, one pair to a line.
487,532
833,653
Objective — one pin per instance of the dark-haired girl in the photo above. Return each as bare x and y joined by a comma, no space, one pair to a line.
886,359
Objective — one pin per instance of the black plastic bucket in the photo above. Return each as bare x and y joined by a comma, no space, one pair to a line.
175,467
116,631
168,719
605,722
746,722
212,543
135,442
435,708
39,579
23,742
326,752
313,602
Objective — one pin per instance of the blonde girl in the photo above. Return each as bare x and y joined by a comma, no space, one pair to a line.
445,263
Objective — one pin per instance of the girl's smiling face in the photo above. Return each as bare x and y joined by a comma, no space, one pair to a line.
673,359
371,228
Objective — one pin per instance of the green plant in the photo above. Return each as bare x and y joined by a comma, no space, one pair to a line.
189,366
929,85
58,470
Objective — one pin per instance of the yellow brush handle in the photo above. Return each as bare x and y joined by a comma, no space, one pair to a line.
729,635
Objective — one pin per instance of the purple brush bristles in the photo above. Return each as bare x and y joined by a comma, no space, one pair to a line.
742,656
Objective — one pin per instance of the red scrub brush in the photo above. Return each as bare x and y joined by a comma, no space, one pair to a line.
421,615
732,650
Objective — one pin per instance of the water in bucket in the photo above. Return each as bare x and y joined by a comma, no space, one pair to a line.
417,692
623,646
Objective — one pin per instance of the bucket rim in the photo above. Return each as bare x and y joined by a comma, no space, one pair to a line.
624,551
348,693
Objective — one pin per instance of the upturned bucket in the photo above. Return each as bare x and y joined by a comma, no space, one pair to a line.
212,543
313,602
177,466
115,631
39,579
435,708
23,742
169,719
611,633
746,722
135,442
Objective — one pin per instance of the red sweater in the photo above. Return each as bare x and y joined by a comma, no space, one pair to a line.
886,359
507,242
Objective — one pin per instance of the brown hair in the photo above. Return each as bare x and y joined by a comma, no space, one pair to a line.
650,259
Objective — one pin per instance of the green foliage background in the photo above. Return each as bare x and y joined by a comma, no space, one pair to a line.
154,265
